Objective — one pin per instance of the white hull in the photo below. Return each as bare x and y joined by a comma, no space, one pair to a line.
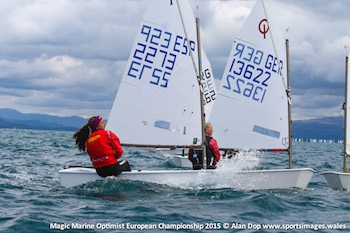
180,161
184,162
242,180
337,180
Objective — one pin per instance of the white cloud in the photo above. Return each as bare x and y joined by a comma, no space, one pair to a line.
66,57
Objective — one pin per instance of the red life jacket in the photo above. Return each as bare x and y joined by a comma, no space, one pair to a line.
100,149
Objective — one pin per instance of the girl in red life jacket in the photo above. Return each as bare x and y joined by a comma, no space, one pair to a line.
103,147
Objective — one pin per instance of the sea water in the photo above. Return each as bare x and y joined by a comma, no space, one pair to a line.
32,199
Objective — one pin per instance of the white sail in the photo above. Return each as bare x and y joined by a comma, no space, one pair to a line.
347,105
251,109
158,101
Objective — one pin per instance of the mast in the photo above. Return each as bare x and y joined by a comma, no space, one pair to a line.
290,138
199,73
345,114
199,78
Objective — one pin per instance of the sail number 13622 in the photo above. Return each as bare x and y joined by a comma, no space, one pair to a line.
242,80
251,71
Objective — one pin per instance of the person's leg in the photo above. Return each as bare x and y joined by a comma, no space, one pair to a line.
114,170
111,170
124,166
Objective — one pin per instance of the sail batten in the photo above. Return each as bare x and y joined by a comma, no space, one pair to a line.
163,146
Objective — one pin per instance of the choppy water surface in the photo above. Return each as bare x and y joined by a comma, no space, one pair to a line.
32,199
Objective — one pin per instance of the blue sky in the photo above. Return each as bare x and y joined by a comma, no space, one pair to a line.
65,58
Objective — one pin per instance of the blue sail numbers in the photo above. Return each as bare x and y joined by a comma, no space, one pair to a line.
250,71
156,54
159,94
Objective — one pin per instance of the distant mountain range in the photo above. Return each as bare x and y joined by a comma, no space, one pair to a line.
10,118
330,128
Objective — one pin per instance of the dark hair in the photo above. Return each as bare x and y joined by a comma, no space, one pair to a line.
82,135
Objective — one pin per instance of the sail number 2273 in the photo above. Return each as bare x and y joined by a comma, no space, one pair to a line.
156,53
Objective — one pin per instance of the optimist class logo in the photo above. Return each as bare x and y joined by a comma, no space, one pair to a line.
263,27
